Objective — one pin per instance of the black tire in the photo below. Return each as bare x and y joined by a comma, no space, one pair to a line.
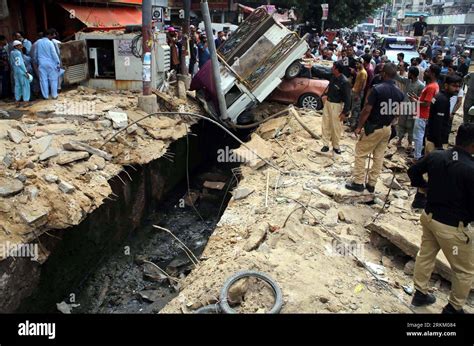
224,305
293,70
310,101
247,117
209,309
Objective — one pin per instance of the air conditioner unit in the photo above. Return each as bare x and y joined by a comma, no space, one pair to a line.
163,60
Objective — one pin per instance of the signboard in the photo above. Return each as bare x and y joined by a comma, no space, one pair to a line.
325,8
157,13
124,48
167,15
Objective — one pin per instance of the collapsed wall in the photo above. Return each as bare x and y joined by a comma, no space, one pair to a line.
55,176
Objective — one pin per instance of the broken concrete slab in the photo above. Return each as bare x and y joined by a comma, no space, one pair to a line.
15,136
58,129
40,145
80,146
10,187
242,192
37,215
68,157
66,187
51,178
49,153
98,161
256,238
255,152
214,185
119,119
342,195
271,128
407,237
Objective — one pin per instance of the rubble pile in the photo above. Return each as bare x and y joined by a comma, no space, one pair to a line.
55,167
292,218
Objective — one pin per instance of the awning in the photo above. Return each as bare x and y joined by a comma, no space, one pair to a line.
105,17
416,14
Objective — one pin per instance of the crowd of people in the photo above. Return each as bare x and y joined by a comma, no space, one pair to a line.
198,47
28,69
380,101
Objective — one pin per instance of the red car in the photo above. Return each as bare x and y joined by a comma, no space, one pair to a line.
304,92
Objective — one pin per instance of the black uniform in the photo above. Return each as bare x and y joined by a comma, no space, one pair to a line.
419,28
382,98
439,123
339,90
450,185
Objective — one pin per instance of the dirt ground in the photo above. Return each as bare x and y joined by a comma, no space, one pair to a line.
268,231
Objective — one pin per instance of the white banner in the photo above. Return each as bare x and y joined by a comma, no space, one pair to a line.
325,8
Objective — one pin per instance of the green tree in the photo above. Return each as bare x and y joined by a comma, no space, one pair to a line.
342,13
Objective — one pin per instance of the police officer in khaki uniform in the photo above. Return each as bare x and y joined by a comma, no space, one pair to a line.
337,105
449,211
383,105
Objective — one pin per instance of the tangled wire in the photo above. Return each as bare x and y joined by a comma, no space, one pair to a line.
137,49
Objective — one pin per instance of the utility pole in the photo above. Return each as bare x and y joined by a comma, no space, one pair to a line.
185,38
383,18
147,40
147,102
214,60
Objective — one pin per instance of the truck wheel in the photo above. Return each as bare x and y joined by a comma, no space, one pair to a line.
245,118
310,101
293,70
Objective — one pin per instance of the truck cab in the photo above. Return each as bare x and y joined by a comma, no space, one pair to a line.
253,63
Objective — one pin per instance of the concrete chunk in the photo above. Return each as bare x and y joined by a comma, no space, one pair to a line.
15,136
256,238
67,157
42,144
98,161
342,195
119,119
259,150
407,238
51,178
214,185
34,216
242,192
50,152
10,187
79,146
66,187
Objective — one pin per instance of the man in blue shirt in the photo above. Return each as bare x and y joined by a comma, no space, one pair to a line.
203,51
20,74
48,65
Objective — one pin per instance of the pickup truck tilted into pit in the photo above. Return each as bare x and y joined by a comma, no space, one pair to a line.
253,62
